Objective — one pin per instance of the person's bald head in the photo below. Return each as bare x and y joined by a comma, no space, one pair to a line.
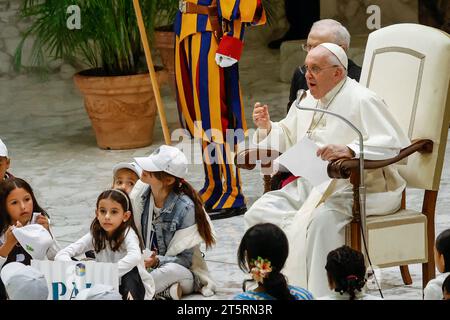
328,30
323,71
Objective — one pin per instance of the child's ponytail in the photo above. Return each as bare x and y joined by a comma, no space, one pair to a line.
204,228
276,285
353,284
262,252
346,268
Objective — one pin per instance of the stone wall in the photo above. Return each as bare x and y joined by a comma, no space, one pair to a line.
11,29
353,15
274,30
9,33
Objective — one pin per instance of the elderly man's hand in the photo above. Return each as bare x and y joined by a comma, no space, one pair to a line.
332,152
261,116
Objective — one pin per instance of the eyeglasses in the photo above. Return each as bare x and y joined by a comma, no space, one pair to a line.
315,70
306,47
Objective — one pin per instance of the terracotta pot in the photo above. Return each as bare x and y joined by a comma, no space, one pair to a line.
165,43
122,109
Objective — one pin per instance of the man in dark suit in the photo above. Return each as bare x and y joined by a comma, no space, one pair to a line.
326,30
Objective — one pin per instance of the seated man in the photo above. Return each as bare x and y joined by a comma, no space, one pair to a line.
314,218
326,30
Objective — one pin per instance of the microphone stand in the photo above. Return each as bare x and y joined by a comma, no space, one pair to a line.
362,188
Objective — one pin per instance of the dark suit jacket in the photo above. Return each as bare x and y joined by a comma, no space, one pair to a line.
299,82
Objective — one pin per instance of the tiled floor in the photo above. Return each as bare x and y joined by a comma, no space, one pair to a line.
53,146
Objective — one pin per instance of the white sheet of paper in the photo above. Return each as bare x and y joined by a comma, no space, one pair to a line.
302,161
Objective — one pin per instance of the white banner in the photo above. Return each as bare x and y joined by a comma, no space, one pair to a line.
66,279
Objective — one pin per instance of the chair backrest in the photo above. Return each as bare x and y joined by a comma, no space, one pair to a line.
408,65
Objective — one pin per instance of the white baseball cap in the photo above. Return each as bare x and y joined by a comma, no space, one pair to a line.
128,165
3,149
337,51
24,282
35,239
99,292
166,158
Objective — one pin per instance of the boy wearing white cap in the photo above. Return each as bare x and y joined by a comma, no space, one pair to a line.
4,162
125,176
328,207
170,216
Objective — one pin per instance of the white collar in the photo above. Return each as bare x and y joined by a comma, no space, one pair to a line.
330,95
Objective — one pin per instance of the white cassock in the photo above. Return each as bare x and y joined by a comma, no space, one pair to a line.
314,219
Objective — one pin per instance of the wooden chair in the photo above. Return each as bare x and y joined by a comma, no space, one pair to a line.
408,66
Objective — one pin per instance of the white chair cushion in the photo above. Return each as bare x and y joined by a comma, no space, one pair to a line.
397,239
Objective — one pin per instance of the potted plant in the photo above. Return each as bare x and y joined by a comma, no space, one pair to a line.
164,35
117,90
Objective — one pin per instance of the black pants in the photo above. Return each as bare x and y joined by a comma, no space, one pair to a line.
2,291
131,286
301,15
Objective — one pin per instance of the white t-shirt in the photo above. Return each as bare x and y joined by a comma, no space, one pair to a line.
127,257
433,290
154,212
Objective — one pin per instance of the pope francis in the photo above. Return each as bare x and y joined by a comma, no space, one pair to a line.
314,218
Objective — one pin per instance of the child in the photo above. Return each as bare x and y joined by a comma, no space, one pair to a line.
446,288
433,290
4,162
18,207
346,275
125,176
113,236
171,218
262,253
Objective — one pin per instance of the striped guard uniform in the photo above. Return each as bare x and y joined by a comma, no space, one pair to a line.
209,96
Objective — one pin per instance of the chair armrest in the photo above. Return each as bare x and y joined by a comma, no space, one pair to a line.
342,168
246,159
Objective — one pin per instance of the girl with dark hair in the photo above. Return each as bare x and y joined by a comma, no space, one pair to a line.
346,272
446,288
114,238
433,290
18,207
262,253
173,223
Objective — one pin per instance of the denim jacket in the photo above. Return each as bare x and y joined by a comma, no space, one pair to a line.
177,213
